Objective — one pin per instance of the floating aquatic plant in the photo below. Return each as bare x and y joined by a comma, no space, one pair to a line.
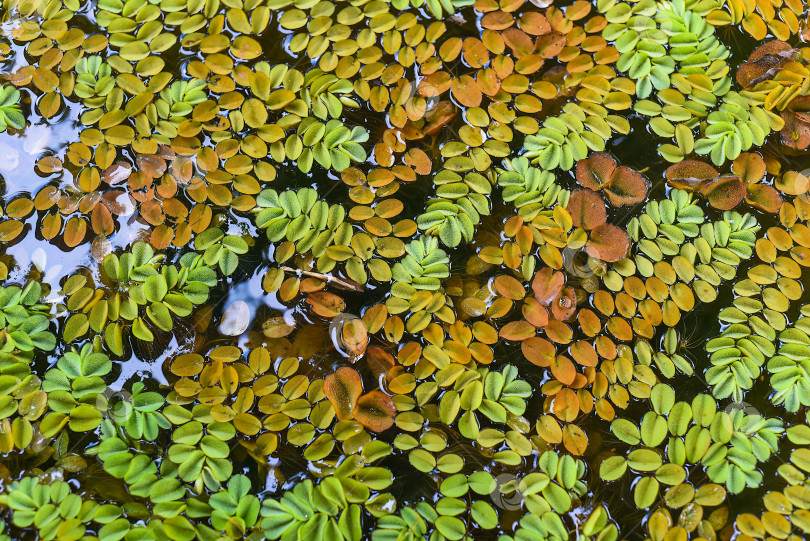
481,296
10,114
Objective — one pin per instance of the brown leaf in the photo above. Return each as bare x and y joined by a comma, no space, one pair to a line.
796,131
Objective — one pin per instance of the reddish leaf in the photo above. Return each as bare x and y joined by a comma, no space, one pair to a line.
375,411
596,170
725,193
626,187
608,243
764,197
343,388
587,209
547,285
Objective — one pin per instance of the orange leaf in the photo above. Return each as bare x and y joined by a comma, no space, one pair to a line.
509,287
584,353
488,81
520,42
534,23
326,304
749,167
75,230
547,285
497,20
566,405
518,331
563,370
535,313
538,351
550,45
343,388
574,440
466,91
